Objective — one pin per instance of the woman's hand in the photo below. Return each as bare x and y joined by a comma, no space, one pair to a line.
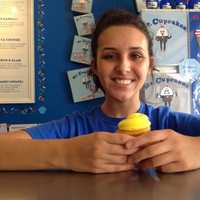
167,150
99,153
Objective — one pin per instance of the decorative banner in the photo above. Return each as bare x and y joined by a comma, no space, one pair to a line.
194,28
168,90
17,51
85,24
82,6
169,30
81,51
41,51
82,85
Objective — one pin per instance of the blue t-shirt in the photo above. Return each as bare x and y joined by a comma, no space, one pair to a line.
94,120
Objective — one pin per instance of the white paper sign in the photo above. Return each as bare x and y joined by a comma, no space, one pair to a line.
82,6
16,51
81,50
168,90
85,24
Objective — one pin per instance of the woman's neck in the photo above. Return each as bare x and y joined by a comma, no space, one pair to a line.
120,109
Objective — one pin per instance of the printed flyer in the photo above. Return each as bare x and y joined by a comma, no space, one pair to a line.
168,90
16,51
81,50
85,24
169,30
82,6
82,85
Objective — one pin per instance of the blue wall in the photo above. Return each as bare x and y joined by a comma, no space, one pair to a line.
59,32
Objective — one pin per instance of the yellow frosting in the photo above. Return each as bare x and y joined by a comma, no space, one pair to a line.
134,122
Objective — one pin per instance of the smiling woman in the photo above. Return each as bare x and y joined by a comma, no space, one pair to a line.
84,142
122,66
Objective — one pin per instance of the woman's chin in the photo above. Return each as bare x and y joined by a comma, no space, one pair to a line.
124,98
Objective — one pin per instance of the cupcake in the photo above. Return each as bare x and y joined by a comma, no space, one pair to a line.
135,124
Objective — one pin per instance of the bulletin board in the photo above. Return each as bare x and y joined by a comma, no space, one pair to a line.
54,31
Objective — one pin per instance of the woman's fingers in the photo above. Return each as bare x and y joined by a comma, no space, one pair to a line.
158,161
172,167
152,151
146,139
119,149
112,144
116,138
173,153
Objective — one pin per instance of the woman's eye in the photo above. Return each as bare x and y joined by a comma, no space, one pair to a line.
135,56
109,57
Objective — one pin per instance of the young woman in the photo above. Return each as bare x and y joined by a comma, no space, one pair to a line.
84,142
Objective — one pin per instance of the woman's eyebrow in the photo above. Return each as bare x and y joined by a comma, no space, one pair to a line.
136,48
113,48
108,48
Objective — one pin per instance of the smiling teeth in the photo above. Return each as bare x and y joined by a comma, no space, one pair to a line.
123,82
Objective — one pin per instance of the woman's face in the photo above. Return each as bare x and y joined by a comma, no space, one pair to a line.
122,62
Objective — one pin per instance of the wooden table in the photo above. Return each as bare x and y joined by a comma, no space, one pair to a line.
119,186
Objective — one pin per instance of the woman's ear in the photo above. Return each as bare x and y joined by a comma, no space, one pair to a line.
93,67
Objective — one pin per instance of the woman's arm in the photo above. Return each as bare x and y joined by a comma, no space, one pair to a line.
19,152
96,153
16,134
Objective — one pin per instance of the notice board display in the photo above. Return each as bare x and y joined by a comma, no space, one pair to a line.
54,30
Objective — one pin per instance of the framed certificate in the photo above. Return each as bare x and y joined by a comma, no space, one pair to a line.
17,76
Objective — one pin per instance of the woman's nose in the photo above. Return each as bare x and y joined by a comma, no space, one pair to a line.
124,65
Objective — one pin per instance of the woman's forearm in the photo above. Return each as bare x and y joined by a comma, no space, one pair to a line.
27,154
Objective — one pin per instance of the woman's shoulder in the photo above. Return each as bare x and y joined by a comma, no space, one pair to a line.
87,113
163,117
150,109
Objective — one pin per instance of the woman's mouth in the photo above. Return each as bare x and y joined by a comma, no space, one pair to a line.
123,81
